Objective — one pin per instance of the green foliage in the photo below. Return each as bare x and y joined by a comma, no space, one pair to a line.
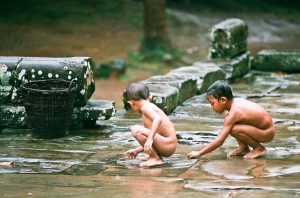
156,51
158,54
73,11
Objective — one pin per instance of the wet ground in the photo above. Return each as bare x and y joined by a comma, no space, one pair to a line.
90,163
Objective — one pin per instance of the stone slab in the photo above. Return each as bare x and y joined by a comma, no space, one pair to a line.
187,87
235,68
164,96
277,60
14,116
205,74
86,116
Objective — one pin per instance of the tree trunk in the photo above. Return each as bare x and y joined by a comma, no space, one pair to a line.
155,29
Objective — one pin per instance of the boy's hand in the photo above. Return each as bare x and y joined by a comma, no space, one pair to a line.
148,146
193,154
130,154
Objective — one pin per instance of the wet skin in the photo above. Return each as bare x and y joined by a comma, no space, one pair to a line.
246,121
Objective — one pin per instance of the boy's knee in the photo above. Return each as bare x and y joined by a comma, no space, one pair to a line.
135,130
234,131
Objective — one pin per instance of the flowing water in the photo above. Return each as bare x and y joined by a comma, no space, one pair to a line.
89,163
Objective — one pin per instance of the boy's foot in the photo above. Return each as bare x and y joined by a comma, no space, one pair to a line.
152,162
239,151
256,153
145,158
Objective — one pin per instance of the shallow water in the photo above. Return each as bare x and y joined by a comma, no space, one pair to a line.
89,163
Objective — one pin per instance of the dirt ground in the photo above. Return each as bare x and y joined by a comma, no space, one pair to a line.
112,88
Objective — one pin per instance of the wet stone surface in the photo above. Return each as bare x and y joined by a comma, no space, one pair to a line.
89,163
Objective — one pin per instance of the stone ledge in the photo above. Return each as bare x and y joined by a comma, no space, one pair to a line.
187,87
276,60
205,74
164,96
14,116
236,67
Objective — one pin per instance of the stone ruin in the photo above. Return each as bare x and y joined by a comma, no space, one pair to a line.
228,59
14,71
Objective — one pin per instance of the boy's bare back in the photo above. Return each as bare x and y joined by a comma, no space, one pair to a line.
246,112
166,128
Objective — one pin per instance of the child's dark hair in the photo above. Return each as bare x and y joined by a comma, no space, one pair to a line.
219,89
137,91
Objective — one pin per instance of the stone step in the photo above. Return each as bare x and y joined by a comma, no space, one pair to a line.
236,67
205,73
228,39
20,69
86,116
180,84
14,115
277,60
164,96
187,87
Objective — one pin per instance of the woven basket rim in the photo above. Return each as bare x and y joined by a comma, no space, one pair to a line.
72,86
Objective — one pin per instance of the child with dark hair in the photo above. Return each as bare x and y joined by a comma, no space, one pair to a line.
249,123
157,137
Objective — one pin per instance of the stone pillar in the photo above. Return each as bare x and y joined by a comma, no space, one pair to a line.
228,39
228,47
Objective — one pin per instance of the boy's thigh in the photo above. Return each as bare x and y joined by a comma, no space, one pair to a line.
141,129
164,145
145,131
260,135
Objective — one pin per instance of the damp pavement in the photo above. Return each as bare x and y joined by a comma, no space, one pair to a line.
89,163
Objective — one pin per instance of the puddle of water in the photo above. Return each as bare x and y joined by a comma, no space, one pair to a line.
229,169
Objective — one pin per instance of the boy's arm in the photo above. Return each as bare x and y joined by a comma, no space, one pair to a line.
139,149
227,126
132,153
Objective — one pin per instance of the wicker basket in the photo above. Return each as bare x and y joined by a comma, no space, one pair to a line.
49,105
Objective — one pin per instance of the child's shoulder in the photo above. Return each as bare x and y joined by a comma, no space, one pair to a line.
148,106
242,102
